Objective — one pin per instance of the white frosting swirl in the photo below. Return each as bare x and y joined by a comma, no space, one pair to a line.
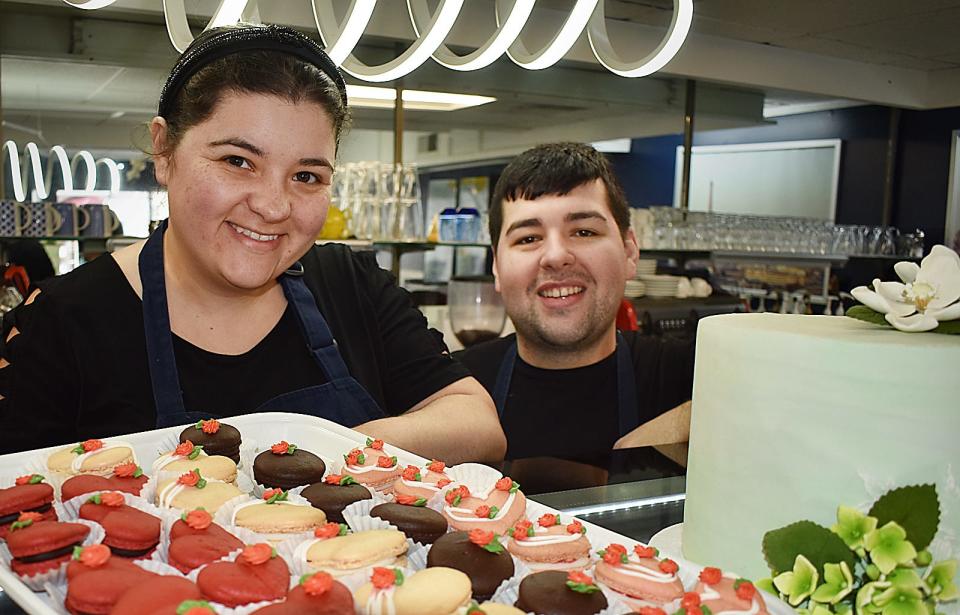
76,464
465,514
380,602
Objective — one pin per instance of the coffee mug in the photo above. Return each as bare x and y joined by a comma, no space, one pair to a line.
40,219
71,214
101,221
11,219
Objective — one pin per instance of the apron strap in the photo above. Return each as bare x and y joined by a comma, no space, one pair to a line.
164,378
319,339
628,411
504,376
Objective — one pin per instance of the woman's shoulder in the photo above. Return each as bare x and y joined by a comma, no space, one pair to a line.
336,265
95,284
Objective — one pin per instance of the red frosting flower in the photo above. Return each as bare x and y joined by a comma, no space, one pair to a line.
409,500
669,566
690,600
521,531
256,554
745,589
376,445
437,466
210,426
504,484
317,584
128,470
280,448
711,575
614,555
190,479
455,495
652,610
198,519
30,516
355,457
199,610
386,462
328,530
112,498
184,449
548,520
576,528
411,473
384,578
579,577
645,552
443,482
91,445
94,556
481,538
482,511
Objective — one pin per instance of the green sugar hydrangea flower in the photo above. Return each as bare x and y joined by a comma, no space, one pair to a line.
888,547
838,582
907,578
766,584
940,582
818,609
799,583
865,597
852,526
899,600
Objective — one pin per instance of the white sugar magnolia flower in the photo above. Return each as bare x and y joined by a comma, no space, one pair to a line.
928,295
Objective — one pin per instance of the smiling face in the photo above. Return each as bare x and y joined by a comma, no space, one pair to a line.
249,189
561,266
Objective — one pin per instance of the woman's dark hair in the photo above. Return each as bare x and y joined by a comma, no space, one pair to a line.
270,72
556,168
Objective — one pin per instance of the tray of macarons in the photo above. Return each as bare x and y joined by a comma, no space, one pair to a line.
281,513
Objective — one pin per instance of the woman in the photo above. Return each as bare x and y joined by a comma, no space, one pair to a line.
228,308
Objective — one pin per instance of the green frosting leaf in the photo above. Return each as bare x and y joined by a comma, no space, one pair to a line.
583,588
816,543
494,545
398,576
195,452
915,508
78,450
186,605
138,472
862,312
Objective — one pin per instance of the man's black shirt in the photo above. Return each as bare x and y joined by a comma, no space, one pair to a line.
572,413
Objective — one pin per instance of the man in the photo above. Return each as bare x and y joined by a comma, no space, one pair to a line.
568,384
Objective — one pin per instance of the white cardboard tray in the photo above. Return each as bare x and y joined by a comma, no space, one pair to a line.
319,436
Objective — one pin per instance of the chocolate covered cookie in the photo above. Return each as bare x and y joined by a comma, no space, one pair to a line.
334,493
478,554
560,593
286,466
215,437
419,523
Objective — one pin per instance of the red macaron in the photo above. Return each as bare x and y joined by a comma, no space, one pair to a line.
317,594
160,595
195,541
97,591
258,574
130,532
29,494
41,546
128,478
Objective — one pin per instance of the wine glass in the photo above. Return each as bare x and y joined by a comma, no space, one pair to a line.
476,309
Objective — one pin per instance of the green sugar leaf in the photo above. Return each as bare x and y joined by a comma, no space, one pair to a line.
862,312
915,508
818,544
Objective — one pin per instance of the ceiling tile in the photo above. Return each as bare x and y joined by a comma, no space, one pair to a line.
923,36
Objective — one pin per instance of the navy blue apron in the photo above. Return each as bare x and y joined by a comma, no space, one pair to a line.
341,399
627,411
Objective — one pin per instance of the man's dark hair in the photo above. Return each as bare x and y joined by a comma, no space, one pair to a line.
556,169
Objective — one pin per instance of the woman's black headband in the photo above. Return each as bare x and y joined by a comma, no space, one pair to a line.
235,40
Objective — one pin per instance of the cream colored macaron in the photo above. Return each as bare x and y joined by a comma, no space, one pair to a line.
279,518
495,608
432,591
91,457
210,466
211,497
345,554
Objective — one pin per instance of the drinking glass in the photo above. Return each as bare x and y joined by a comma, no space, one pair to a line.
476,309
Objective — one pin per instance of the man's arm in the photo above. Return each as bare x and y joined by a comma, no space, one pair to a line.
671,427
457,423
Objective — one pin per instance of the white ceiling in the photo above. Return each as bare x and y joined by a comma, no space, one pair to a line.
89,77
